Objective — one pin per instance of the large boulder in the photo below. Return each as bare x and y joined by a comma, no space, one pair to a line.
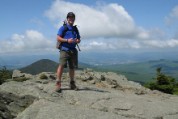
19,76
110,80
11,105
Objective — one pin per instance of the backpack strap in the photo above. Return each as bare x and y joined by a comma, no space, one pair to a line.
76,30
65,30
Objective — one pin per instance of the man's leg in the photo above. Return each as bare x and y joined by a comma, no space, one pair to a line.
59,76
72,82
59,72
71,74
72,70
63,61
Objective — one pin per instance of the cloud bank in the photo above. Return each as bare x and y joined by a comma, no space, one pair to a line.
173,16
31,40
102,27
110,20
110,26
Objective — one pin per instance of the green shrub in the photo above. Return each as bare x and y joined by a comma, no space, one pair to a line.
4,75
1,81
162,79
165,88
176,85
151,85
43,76
175,91
162,82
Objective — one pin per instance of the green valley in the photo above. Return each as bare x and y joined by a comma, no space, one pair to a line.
143,71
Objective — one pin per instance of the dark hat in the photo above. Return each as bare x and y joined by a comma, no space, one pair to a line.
70,14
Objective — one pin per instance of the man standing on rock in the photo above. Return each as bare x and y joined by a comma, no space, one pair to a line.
69,37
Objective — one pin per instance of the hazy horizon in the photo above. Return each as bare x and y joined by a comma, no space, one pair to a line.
92,58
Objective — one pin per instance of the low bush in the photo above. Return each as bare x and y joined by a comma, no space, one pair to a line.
4,75
163,83
43,76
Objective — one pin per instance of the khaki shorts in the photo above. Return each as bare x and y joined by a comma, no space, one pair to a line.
70,58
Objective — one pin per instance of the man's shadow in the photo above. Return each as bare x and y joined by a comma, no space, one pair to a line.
87,89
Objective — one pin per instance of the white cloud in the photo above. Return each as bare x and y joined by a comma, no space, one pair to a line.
31,40
111,44
109,26
161,44
110,20
172,17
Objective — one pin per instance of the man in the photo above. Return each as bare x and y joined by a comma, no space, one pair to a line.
68,53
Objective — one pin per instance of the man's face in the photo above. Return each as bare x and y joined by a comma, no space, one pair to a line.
71,20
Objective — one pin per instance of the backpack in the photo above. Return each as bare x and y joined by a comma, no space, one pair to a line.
59,44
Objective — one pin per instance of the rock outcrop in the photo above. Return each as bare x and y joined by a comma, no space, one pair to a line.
100,96
11,105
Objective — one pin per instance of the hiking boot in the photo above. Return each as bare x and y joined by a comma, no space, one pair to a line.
73,86
58,87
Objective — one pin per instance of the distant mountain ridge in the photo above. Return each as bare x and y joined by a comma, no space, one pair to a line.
44,65
140,72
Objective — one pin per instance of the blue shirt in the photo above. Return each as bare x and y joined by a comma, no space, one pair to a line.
70,33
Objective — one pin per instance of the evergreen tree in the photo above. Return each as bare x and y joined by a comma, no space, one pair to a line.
162,82
4,74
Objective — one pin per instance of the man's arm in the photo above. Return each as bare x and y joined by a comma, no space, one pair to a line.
63,40
60,39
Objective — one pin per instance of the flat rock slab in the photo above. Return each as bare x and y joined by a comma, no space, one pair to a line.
90,102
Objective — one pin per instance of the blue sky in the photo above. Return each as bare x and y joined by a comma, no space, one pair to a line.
31,25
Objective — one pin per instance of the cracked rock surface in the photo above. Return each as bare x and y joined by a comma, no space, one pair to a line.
96,100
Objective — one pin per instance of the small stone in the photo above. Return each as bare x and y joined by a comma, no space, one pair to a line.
92,82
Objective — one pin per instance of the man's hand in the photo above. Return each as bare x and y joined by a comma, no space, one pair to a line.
70,40
73,41
77,41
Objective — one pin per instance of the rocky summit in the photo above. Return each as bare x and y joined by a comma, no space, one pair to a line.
101,95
